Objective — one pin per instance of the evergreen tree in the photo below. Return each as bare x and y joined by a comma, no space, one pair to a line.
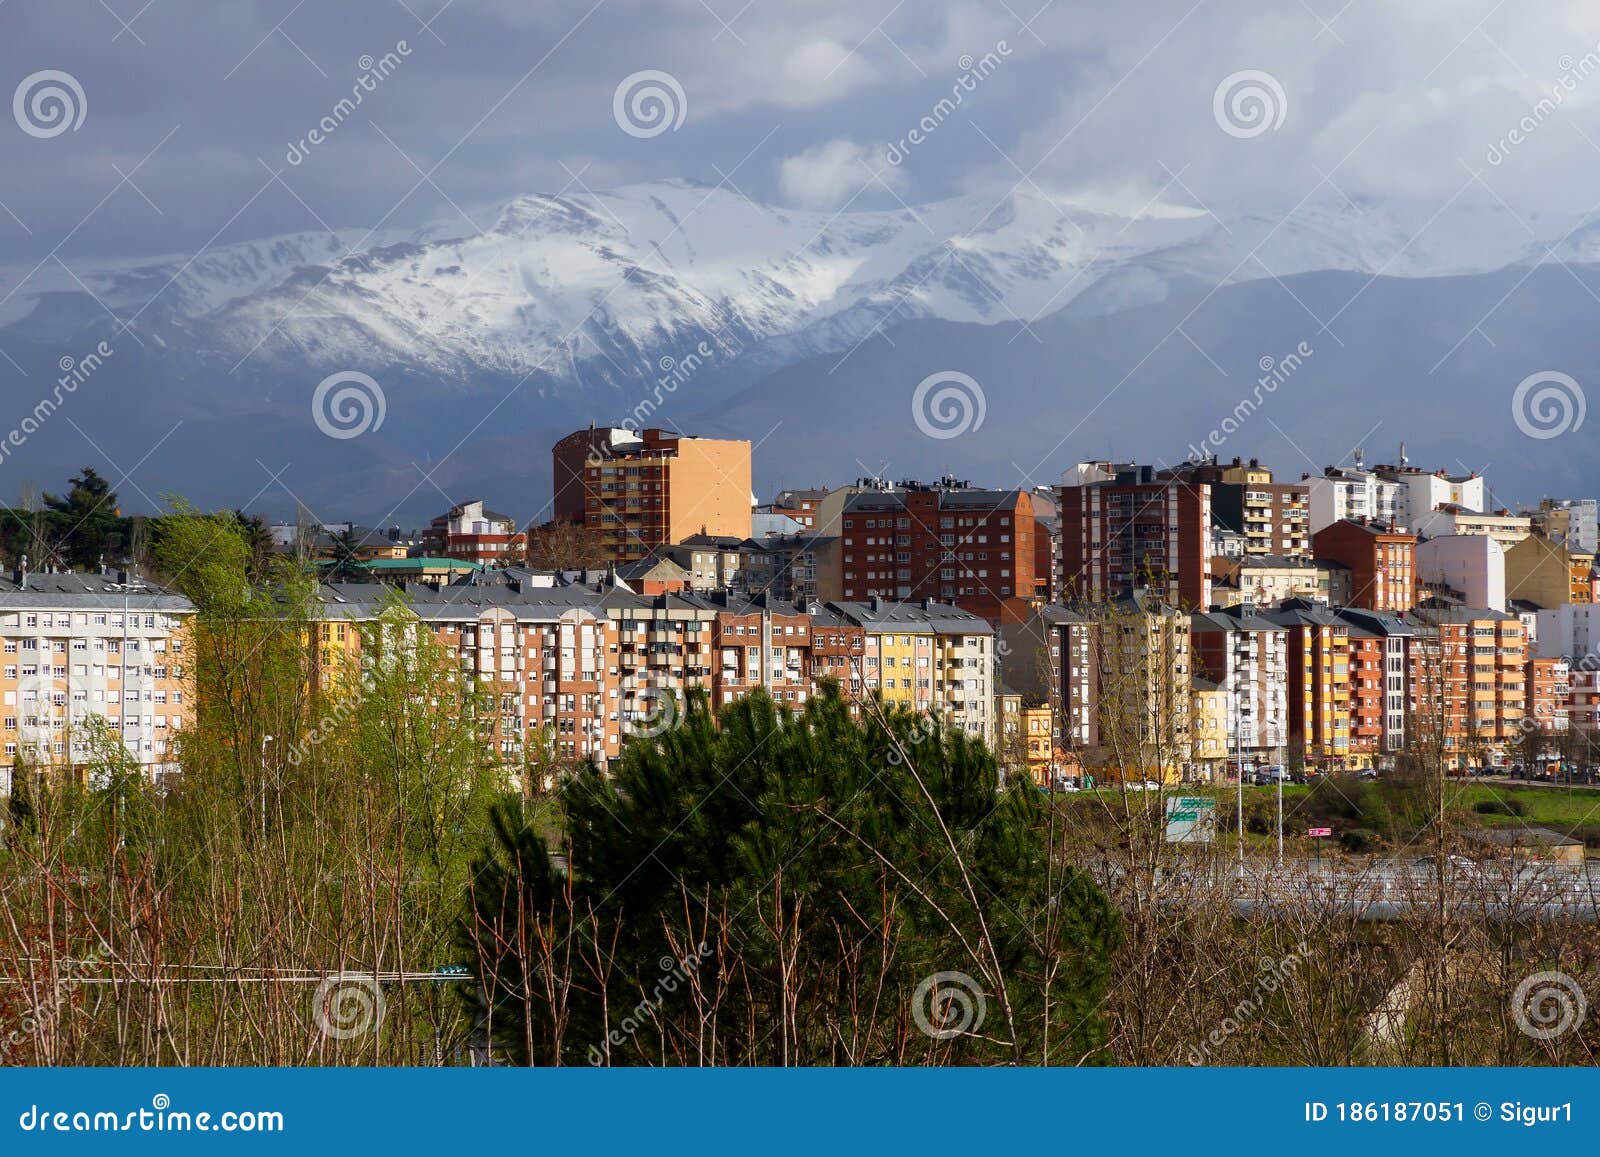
85,525
819,870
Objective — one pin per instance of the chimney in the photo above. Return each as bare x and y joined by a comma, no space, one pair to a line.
122,578
20,576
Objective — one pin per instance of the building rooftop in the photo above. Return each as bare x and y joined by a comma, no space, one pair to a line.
44,590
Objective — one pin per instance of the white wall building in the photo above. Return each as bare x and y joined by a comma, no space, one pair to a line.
1473,564
1569,632
1341,492
1422,493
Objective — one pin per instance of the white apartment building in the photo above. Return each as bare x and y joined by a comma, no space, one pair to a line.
81,645
1342,492
1473,565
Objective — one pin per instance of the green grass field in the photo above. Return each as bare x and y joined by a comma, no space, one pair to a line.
1560,808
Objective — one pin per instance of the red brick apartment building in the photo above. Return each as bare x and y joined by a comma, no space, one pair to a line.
637,490
1124,529
1467,675
1382,562
946,541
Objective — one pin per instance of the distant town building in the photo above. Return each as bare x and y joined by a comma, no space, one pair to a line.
475,534
977,549
104,645
635,491
1381,559
1125,529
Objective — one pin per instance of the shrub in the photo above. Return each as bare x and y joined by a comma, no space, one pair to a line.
1360,840
1501,807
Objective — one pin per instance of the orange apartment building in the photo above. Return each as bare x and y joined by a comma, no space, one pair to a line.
1548,683
1382,562
1320,677
80,645
1467,681
635,491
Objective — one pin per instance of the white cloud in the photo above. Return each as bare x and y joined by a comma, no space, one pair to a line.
829,174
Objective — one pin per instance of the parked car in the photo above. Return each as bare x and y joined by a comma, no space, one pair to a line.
1369,774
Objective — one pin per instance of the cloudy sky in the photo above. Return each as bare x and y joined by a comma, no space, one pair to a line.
192,110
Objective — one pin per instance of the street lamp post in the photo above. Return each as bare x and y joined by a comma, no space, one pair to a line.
265,739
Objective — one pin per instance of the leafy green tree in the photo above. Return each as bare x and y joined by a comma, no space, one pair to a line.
817,872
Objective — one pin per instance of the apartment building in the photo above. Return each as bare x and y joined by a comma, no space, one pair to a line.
1125,529
838,650
1382,562
1266,580
1549,684
1247,656
1420,492
1573,521
1548,573
1273,518
1583,699
1341,493
973,548
1125,686
1470,568
1208,724
475,534
758,641
795,567
78,646
1318,664
546,657
1467,672
1379,649
637,490
1501,525
1568,631
928,657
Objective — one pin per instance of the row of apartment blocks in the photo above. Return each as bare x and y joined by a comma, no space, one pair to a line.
582,659
1135,681
1209,534
593,662
77,647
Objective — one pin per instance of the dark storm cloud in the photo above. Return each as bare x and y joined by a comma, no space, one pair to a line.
193,106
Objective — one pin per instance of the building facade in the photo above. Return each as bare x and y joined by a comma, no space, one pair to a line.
87,652
635,491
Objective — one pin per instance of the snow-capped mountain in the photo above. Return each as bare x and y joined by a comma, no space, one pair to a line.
584,291
489,343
